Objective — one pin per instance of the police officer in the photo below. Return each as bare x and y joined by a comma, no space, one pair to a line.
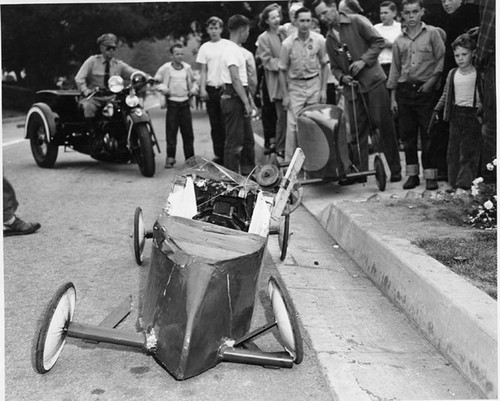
95,72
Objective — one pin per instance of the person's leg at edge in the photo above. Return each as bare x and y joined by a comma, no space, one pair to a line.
172,126
233,110
378,103
13,225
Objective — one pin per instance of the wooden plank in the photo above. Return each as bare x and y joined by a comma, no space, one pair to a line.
287,184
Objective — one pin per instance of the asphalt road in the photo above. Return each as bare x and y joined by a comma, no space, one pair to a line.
86,211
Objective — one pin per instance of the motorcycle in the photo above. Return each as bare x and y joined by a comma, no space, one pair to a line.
121,132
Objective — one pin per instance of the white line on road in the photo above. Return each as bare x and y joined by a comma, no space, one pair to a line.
13,142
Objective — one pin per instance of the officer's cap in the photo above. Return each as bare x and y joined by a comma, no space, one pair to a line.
108,39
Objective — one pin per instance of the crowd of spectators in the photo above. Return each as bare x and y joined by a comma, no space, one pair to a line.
391,76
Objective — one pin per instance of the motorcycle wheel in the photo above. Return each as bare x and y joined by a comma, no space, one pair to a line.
145,156
43,150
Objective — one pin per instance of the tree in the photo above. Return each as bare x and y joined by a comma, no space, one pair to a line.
51,40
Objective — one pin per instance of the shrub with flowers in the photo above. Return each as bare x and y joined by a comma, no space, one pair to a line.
484,209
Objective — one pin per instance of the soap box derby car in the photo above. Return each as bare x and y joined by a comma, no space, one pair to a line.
197,299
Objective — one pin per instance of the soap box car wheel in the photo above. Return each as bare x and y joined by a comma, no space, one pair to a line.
286,319
380,176
139,236
39,133
52,331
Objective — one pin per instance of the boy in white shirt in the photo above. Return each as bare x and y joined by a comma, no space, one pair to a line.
389,29
177,84
209,58
459,103
236,100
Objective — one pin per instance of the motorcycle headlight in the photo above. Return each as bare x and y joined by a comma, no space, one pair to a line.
108,110
115,84
132,100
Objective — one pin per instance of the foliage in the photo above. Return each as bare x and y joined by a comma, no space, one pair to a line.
473,257
484,208
52,40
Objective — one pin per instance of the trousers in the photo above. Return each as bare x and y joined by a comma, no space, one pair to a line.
464,147
414,114
217,129
10,202
373,107
179,115
239,147
301,93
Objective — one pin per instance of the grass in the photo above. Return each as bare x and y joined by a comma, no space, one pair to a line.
474,257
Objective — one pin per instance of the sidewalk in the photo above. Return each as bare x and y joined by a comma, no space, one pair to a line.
455,317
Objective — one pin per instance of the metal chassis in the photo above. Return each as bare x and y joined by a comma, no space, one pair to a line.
242,350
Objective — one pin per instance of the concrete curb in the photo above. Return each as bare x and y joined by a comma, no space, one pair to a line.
456,317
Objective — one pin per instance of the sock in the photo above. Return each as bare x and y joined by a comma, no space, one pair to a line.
10,221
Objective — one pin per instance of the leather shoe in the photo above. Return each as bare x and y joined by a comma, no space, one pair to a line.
431,184
412,182
19,227
396,177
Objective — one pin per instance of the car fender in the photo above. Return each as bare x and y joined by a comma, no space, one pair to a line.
48,116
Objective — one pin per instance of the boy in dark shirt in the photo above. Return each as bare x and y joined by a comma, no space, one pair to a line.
417,64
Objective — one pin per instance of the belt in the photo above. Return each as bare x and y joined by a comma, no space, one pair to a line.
306,79
411,84
216,88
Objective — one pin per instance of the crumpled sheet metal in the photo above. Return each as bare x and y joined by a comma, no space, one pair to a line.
195,301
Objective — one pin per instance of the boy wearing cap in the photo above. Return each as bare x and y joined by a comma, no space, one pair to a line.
95,72
209,58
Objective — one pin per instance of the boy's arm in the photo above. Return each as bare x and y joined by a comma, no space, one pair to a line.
438,49
375,45
240,90
284,63
203,82
394,74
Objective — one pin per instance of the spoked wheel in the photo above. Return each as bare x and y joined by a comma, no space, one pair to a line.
286,319
380,176
283,235
139,236
43,149
53,328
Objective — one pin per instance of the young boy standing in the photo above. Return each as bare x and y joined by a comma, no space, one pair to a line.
177,80
209,57
389,29
459,103
417,64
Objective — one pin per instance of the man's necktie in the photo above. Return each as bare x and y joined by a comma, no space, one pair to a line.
106,73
